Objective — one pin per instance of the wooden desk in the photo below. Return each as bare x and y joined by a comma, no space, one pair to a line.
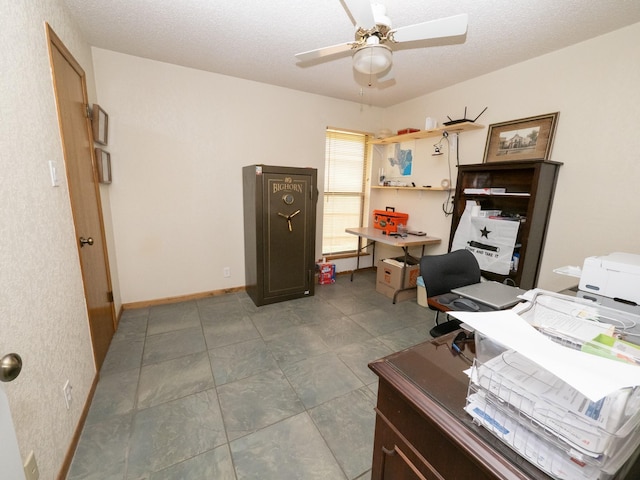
375,235
422,431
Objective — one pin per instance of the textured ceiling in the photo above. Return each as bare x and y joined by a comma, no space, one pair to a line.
257,39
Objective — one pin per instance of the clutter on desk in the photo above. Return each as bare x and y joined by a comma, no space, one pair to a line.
388,220
397,183
555,382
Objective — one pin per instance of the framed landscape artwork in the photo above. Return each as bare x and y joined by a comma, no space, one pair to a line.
524,139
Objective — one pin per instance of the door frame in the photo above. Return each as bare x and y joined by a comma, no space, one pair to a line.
53,41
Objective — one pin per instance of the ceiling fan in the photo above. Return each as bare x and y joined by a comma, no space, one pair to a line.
375,37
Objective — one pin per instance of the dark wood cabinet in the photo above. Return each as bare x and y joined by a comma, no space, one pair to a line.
279,232
422,431
530,186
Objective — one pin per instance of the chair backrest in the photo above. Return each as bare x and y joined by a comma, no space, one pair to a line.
441,273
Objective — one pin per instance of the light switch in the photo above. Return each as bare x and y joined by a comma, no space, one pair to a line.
53,170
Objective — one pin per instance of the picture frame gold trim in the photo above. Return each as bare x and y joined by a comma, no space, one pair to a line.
528,138
99,124
103,163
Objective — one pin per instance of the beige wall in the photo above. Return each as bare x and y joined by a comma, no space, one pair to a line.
42,310
179,140
181,136
594,86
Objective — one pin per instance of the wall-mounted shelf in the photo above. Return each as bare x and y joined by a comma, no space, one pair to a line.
436,132
423,189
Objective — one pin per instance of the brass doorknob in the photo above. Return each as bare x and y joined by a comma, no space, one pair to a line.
10,367
86,241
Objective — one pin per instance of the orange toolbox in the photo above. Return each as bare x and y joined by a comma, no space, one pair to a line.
388,220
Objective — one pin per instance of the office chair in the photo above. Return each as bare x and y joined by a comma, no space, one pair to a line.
441,274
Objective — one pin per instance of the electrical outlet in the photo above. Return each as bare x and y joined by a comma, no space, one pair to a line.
31,468
67,394
226,272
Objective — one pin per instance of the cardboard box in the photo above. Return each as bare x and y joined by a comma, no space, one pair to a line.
389,277
388,220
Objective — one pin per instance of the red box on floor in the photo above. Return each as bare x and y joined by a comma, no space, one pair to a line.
326,273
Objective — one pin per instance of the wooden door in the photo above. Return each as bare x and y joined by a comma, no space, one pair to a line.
75,130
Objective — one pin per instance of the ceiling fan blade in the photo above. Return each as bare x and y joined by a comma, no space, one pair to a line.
324,52
443,27
361,12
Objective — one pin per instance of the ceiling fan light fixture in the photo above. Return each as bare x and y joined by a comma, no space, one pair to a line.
372,59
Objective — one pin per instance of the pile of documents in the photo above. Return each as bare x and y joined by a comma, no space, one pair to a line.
557,388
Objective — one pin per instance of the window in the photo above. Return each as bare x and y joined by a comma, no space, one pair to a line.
344,189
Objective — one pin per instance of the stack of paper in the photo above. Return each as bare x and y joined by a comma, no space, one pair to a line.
554,405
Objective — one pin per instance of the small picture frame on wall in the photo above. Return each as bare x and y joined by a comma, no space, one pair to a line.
99,124
103,162
528,138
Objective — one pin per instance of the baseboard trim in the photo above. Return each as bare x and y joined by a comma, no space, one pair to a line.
68,458
181,298
201,295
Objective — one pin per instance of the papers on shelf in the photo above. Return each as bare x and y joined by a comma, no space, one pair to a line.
494,191
484,191
593,376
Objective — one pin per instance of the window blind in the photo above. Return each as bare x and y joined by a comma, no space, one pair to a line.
344,184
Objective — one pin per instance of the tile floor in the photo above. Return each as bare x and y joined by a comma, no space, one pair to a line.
221,389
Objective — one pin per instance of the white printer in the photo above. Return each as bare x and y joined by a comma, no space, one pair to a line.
616,275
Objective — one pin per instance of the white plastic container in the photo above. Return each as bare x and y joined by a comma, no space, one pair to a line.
422,293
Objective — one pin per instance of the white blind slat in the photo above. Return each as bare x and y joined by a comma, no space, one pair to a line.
344,180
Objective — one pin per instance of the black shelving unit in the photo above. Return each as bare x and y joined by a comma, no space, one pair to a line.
537,178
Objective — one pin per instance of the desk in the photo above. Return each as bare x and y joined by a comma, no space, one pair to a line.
374,235
422,431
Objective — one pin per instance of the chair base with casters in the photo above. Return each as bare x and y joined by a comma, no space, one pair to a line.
441,274
449,326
